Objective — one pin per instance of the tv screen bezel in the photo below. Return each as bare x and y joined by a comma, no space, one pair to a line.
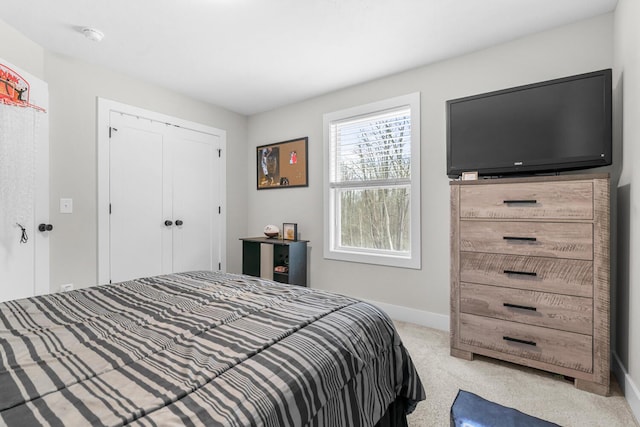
551,165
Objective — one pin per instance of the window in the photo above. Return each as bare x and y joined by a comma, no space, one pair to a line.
372,183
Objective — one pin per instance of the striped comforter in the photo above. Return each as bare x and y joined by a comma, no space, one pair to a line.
202,349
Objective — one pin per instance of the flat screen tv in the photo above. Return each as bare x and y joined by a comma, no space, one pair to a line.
551,126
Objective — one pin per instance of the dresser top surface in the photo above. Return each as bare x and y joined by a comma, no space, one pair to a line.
543,178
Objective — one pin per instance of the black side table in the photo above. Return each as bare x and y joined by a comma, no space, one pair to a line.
289,259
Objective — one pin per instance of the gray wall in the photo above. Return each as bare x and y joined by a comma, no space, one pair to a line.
582,47
627,130
73,90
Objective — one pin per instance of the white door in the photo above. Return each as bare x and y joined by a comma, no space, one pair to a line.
24,190
161,176
136,198
195,194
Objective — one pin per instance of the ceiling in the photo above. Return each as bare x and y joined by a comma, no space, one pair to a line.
251,56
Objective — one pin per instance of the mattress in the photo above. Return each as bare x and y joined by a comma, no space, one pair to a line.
200,349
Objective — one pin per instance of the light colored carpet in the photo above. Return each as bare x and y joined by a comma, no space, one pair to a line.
534,392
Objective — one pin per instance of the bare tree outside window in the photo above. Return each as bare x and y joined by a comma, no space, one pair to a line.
377,214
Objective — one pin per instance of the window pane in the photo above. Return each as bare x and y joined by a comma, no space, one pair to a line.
377,147
375,218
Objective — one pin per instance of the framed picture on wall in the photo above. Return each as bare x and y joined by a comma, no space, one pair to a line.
283,164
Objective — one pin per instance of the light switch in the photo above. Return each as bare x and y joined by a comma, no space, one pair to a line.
66,206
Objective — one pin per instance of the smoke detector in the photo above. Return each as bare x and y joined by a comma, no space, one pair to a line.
93,34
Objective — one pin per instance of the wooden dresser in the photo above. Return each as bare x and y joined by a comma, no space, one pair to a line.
530,274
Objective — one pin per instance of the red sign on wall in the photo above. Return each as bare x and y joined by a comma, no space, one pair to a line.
14,90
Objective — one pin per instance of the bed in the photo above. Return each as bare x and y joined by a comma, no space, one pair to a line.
202,349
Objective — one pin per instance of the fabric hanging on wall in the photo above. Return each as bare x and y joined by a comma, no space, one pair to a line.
21,126
18,132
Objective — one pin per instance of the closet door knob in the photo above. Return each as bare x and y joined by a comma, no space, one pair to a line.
45,227
179,222
168,223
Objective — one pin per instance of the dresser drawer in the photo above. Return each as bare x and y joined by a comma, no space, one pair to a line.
557,275
563,312
548,239
551,200
560,348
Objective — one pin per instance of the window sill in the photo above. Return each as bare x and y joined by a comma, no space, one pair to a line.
377,259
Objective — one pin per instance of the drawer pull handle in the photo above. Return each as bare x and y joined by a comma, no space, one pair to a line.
522,273
523,307
532,343
520,202
525,239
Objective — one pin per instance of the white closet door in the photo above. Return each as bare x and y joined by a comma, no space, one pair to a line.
164,198
194,191
138,235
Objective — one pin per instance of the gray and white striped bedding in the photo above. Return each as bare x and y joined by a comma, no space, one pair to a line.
200,349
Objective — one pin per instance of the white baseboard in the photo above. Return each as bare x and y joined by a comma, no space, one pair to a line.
412,315
631,390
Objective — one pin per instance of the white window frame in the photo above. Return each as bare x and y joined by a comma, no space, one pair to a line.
331,217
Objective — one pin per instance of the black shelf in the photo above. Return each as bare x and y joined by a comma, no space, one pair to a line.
289,253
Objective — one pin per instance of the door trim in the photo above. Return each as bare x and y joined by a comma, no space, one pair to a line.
105,108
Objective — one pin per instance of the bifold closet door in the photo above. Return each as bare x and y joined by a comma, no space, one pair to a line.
137,244
193,190
163,197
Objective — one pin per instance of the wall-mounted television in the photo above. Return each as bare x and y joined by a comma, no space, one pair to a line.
551,126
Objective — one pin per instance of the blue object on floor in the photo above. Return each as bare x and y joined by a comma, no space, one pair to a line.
470,410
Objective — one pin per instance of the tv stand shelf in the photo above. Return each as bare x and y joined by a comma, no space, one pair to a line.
290,254
530,274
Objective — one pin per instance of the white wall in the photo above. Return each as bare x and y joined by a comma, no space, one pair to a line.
578,48
627,112
21,51
73,90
